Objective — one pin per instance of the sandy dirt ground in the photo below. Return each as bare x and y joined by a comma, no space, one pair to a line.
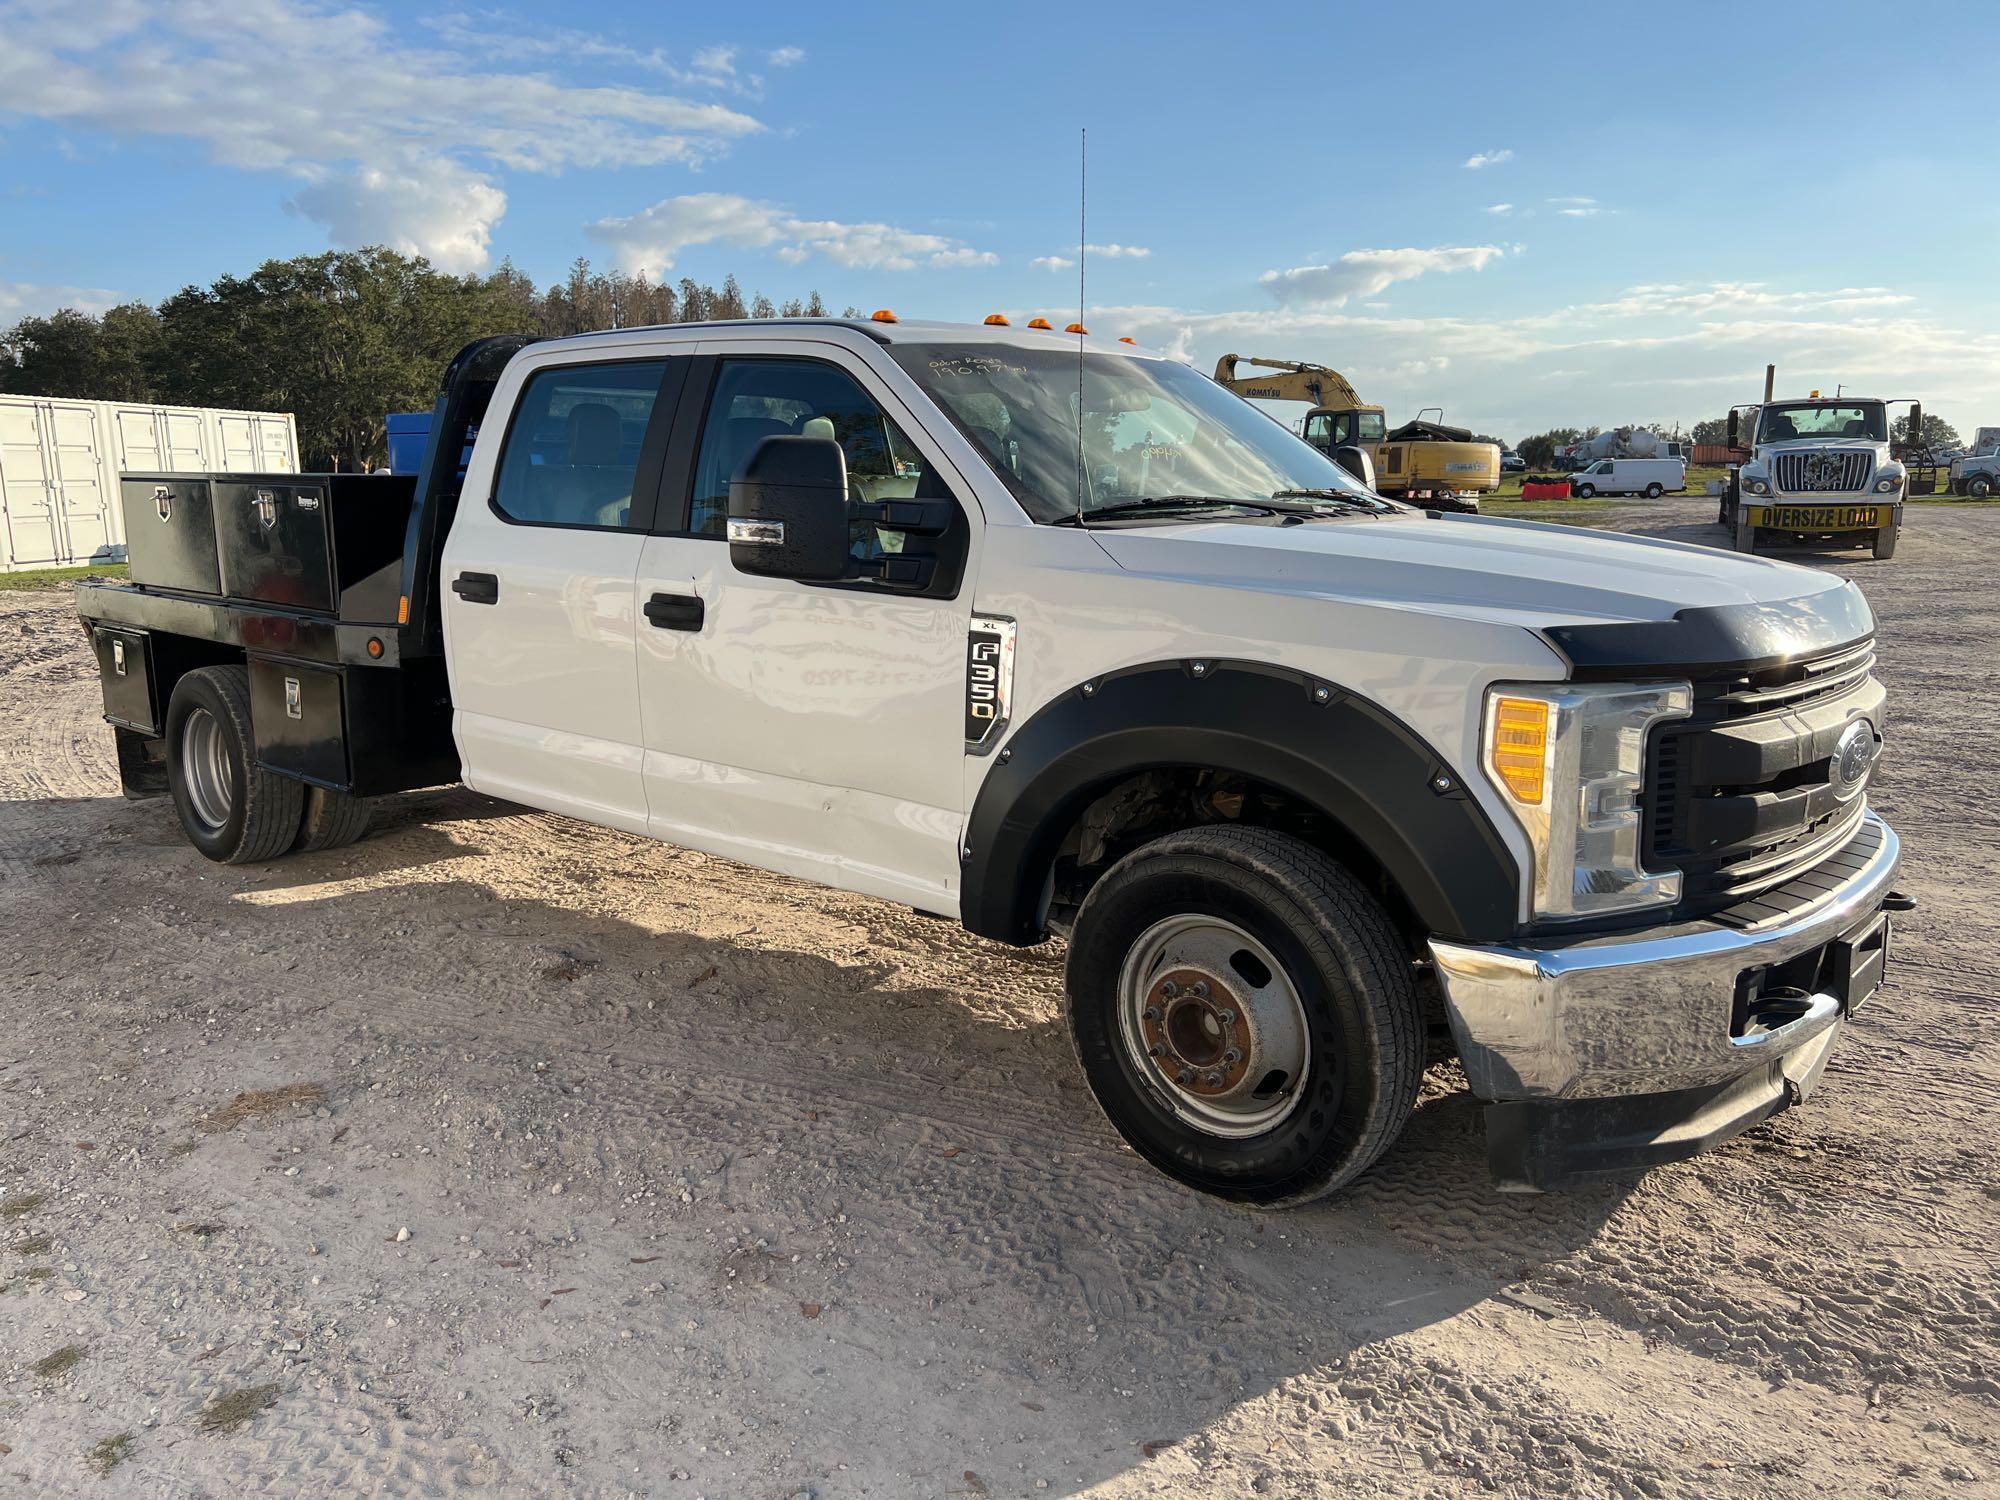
502,1154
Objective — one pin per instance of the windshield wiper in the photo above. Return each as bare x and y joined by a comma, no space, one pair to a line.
1366,504
1170,502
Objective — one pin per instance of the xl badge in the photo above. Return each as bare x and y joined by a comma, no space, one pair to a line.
1853,754
989,680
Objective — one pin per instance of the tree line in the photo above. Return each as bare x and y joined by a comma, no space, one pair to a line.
340,339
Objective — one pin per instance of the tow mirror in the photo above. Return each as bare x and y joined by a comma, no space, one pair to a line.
788,510
1357,463
1733,424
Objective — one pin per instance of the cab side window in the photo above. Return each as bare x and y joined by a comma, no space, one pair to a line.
759,398
573,449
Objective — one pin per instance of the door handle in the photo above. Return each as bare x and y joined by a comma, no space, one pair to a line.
477,588
676,611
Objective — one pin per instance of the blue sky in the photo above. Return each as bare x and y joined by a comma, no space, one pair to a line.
1550,215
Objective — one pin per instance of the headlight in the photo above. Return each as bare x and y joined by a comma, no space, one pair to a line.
1890,481
1570,760
1757,486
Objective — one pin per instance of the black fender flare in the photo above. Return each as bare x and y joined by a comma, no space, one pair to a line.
1346,757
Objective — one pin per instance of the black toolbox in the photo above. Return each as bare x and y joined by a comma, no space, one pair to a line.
328,544
170,531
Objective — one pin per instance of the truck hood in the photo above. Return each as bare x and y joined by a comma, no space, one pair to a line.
1565,583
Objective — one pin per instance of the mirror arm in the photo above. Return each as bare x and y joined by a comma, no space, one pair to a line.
899,572
911,517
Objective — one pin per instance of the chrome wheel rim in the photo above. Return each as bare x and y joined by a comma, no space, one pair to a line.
1214,1025
205,769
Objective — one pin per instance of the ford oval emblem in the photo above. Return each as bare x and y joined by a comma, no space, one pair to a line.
1853,754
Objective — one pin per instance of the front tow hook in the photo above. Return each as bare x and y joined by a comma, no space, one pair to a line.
1899,901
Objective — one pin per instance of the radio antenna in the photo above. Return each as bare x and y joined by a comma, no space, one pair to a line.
1082,254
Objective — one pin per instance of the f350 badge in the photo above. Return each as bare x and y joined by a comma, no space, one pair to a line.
989,680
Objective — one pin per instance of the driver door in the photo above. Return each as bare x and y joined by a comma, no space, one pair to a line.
816,729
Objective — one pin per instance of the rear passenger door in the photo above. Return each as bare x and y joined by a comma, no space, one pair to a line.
537,586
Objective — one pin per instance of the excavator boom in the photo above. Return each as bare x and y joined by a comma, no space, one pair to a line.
1316,385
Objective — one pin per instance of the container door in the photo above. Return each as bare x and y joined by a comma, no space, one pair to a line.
34,529
239,443
82,493
274,446
138,439
187,446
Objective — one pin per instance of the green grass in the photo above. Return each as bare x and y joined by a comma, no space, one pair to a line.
55,578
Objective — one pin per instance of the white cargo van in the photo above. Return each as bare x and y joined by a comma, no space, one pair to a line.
1651,477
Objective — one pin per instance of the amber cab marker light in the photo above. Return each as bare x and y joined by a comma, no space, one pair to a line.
1126,338
403,611
1076,328
375,647
882,315
1042,323
1520,748
997,320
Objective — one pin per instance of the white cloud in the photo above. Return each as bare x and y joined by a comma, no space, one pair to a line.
652,239
382,138
1579,208
1650,353
1488,158
436,209
1119,252
1499,208
33,299
1053,262
785,57
1366,273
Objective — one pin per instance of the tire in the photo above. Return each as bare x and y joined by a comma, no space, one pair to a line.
232,809
331,820
1584,491
1979,486
1722,512
1335,1017
1654,491
1885,543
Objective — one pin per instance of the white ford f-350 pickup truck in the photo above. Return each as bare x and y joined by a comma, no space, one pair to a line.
1055,636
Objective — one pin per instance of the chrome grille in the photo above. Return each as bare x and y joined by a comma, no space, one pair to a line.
1823,473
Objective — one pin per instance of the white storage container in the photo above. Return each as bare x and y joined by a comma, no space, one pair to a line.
60,460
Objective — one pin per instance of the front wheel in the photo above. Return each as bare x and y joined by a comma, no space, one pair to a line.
232,809
1979,486
1245,1014
1885,543
1584,491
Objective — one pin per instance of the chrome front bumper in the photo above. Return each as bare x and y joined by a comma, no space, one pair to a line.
1650,1012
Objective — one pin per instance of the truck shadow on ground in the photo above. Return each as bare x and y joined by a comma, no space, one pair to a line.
1000,1232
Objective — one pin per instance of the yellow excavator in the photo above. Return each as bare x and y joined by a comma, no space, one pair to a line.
1418,458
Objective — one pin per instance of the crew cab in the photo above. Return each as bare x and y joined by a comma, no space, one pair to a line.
1053,636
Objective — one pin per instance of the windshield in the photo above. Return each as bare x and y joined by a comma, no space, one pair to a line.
1865,420
1152,429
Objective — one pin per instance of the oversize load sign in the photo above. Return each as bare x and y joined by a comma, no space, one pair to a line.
1817,517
